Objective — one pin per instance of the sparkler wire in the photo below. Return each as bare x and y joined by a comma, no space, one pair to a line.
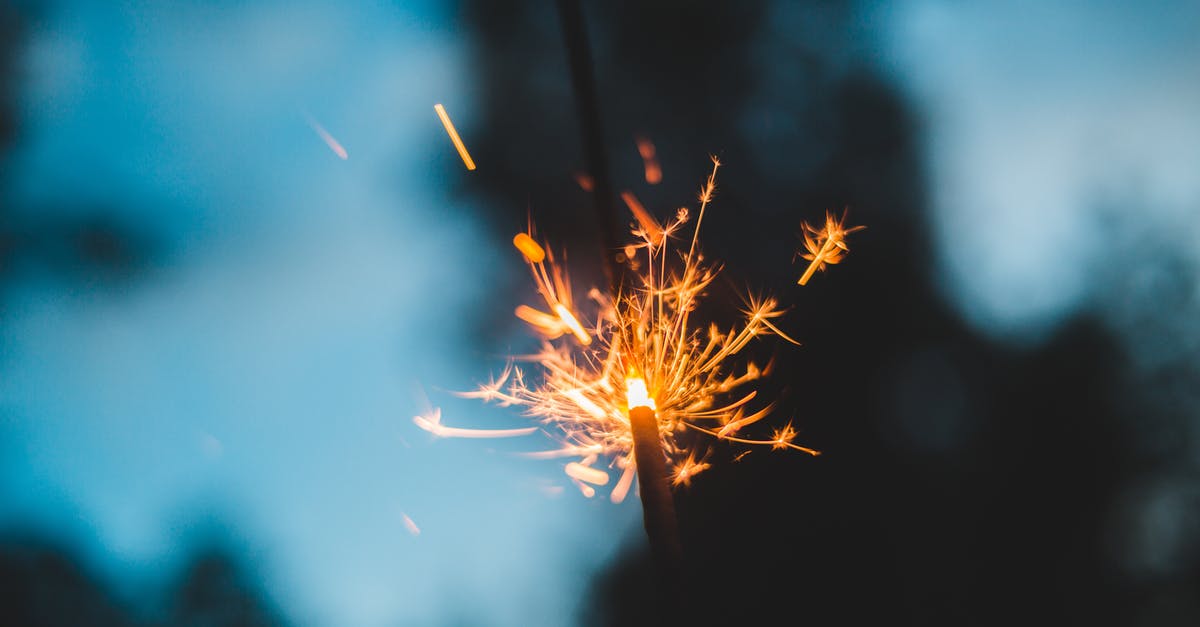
658,506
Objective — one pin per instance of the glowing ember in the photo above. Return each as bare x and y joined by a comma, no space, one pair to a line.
642,351
685,470
327,138
826,245
532,250
653,170
584,181
636,394
450,130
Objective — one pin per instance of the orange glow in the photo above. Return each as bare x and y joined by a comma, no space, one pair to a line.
450,130
584,181
327,138
572,323
650,226
686,469
546,324
653,170
636,394
533,252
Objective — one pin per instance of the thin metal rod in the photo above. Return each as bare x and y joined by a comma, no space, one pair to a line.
658,506
583,81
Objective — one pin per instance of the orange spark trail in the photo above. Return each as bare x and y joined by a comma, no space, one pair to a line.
652,229
653,170
458,143
327,138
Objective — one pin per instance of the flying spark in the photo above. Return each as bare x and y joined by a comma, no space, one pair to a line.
649,160
450,130
826,245
409,525
584,181
329,140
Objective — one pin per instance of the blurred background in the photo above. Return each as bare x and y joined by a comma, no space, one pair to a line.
214,330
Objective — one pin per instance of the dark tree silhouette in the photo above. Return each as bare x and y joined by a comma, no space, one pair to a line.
964,481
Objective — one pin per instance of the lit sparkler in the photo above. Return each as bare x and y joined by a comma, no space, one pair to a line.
640,353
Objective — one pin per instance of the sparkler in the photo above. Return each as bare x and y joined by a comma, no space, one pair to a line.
639,366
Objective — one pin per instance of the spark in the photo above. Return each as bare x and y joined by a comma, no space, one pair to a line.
572,323
584,181
651,229
576,470
433,424
685,470
826,245
649,160
458,143
329,140
409,525
551,491
622,488
528,247
643,349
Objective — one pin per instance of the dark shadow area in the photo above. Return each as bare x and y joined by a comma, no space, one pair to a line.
214,590
45,584
963,482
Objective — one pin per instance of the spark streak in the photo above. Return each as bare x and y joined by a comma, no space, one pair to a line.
575,470
327,138
409,525
433,424
650,227
450,130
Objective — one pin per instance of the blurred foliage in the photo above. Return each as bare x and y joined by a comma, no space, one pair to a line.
46,585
